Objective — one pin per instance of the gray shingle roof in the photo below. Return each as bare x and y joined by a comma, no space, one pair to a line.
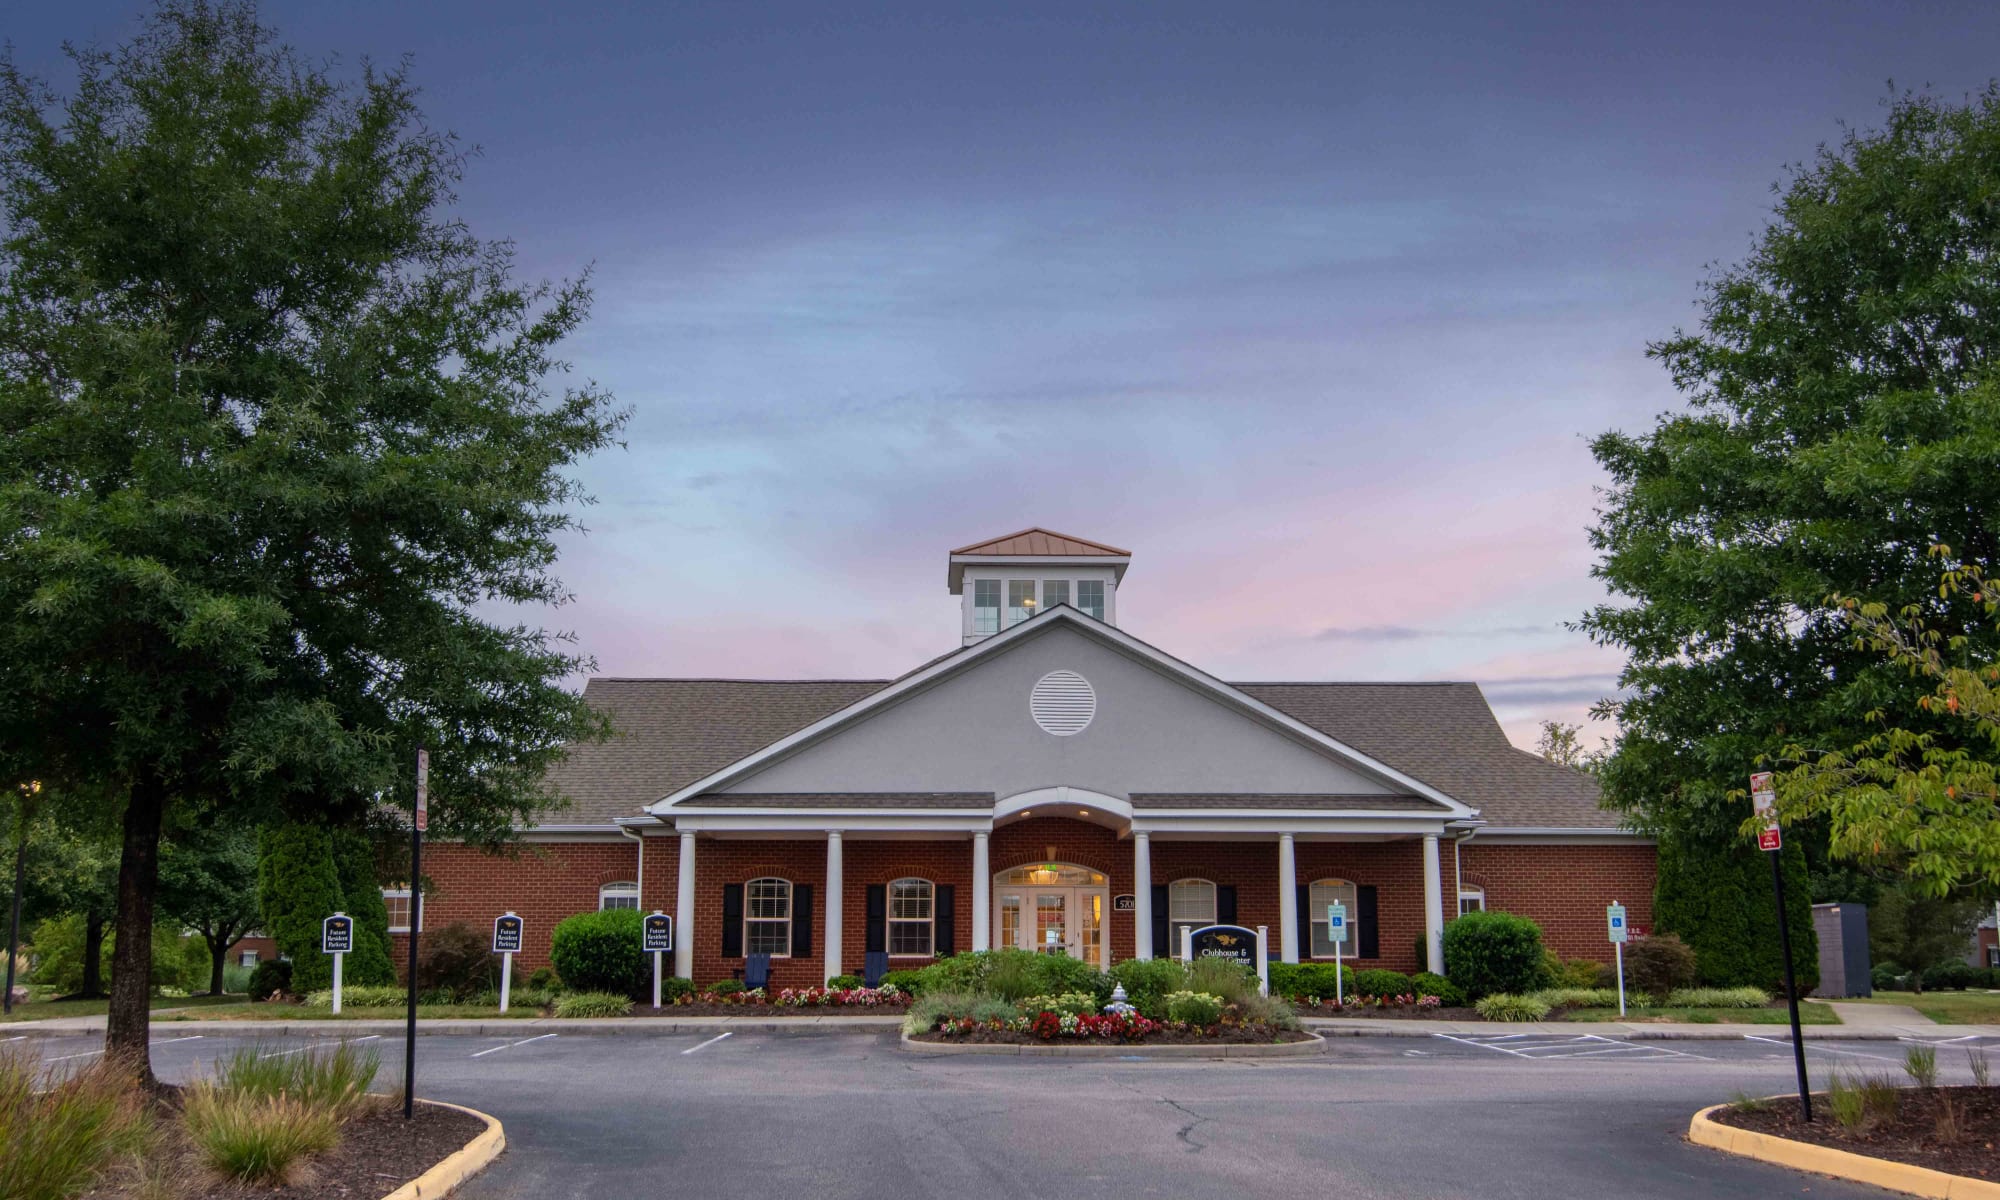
1153,801
672,732
1445,735
886,800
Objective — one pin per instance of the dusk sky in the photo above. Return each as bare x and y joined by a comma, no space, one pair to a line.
1314,307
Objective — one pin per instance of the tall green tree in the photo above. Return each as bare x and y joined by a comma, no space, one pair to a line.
208,883
1842,417
299,887
275,430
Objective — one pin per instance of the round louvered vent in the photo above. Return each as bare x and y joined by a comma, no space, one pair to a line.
1062,703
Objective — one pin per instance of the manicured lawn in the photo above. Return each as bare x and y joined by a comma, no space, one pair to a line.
299,1012
1809,1014
1947,1008
42,1010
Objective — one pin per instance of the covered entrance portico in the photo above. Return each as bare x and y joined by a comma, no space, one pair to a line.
1054,908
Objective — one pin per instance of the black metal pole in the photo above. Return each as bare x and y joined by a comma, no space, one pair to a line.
1791,984
416,927
14,917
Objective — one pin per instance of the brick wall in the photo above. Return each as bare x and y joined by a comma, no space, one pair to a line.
1564,889
1396,871
541,881
1060,840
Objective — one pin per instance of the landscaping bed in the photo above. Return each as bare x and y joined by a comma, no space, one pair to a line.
378,1152
1911,1133
1222,1035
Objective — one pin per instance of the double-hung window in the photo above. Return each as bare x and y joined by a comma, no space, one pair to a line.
1090,597
1471,899
767,917
1190,905
1322,893
911,913
1020,600
618,895
397,900
986,606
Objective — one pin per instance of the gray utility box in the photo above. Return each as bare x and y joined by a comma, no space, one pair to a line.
1844,968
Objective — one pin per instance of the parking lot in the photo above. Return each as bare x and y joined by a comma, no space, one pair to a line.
1537,1114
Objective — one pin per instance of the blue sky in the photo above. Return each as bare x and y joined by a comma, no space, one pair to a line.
1311,306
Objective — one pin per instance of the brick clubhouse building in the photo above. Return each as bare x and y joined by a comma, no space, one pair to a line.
1052,783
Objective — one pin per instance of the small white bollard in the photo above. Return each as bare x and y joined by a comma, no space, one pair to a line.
1263,963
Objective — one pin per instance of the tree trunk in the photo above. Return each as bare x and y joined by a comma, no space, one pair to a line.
93,956
127,1031
218,951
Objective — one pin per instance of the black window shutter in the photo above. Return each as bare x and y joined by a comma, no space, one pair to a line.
732,920
944,935
802,920
1368,935
1225,904
878,919
1162,932
1304,933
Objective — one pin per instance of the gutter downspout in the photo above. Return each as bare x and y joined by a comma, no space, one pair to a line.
1457,868
641,882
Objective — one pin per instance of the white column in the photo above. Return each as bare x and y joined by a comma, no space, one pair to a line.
1433,908
831,955
684,912
1288,901
1142,896
982,894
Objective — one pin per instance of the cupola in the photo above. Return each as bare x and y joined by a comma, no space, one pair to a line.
1006,580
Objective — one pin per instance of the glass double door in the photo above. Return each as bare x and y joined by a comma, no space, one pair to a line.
1052,914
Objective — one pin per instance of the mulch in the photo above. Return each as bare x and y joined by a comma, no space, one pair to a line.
1405,1013
378,1153
1911,1136
1223,1036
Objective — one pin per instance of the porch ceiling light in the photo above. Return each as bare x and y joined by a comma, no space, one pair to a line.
1082,812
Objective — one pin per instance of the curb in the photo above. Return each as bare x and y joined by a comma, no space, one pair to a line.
458,1166
496,1027
1841,1164
1314,1044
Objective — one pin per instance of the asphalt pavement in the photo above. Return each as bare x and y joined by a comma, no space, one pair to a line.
1534,1115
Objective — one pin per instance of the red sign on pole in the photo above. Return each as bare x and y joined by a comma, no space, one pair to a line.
423,791
1764,798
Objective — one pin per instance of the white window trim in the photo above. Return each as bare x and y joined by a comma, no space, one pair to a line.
748,920
1176,924
416,906
891,920
1468,891
1317,917
618,888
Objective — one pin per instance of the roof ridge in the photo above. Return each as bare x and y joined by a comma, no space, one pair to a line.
973,547
1352,682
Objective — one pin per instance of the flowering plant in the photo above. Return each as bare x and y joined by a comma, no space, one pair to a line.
1127,1026
805,997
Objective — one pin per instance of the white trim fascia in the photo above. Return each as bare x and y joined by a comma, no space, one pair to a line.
818,821
1527,835
1300,816
1300,824
1113,635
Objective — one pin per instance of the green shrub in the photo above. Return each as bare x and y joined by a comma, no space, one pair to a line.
1059,973
361,898
1500,1006
1887,976
1573,973
1488,952
1074,1004
724,987
298,887
931,1007
1147,981
907,982
1449,994
1700,997
1956,976
271,977
844,982
672,988
56,949
256,1138
1308,979
1377,982
1194,1008
457,960
544,979
599,952
1011,974
1579,997
1660,964
58,1134
1269,1010
236,979
593,1004
1233,982
359,997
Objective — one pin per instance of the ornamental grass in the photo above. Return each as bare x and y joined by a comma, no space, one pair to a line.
253,1137
60,1133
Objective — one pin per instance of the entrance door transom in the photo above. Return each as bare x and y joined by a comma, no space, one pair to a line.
1053,908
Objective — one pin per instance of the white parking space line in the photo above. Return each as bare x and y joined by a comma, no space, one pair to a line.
316,1045
67,1057
509,1046
710,1042
1541,1046
170,1041
1820,1048
18,1038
